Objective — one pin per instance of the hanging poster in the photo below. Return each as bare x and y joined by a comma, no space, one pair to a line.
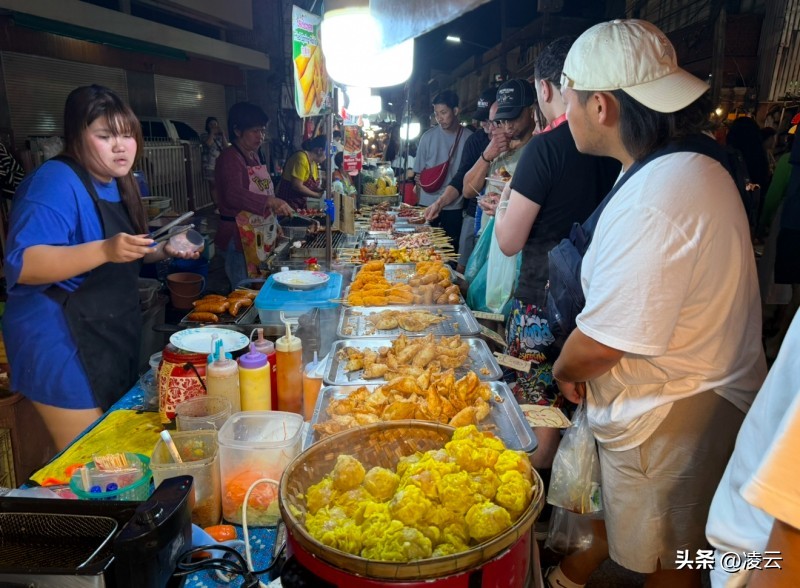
353,159
311,83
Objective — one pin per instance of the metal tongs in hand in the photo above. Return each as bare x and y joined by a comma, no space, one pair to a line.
162,233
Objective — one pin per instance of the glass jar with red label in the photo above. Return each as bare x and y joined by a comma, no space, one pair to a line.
180,377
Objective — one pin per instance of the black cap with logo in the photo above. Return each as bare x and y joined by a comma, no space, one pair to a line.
485,101
512,97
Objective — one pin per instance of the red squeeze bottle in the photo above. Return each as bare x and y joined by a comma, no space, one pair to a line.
267,347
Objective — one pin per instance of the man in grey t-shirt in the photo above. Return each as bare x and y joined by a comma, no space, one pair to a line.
434,148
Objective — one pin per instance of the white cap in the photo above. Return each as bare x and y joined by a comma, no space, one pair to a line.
633,56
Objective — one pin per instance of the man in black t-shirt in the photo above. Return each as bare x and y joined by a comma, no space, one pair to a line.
473,148
553,187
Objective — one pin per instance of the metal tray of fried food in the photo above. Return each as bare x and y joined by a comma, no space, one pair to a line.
458,320
393,272
245,317
400,272
505,419
479,359
384,241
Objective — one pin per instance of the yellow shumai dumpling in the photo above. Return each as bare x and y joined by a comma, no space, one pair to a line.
486,520
486,483
381,483
514,493
320,495
348,473
353,500
480,438
406,462
456,533
513,460
426,473
471,457
331,527
456,492
409,505
444,549
398,543
373,517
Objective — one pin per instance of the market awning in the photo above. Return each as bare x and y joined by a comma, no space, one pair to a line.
88,22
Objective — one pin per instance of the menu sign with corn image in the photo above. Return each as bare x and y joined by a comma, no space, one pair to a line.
311,83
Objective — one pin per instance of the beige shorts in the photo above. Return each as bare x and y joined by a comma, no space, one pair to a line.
657,495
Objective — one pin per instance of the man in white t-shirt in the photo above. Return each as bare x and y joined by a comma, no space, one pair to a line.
669,341
754,521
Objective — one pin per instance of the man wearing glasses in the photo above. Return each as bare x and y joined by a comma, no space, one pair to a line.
553,187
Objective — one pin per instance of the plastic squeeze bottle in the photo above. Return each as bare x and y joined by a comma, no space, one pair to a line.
312,382
254,384
267,347
222,376
289,358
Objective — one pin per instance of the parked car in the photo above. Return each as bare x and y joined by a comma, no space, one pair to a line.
159,129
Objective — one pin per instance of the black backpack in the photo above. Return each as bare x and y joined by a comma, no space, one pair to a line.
564,293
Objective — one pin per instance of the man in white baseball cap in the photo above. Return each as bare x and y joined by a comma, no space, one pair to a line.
668,343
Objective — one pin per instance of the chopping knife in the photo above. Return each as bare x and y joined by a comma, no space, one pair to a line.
171,224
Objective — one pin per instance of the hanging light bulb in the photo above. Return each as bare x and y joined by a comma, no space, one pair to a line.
367,63
410,129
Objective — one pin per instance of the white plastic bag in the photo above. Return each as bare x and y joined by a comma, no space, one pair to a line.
501,277
569,532
575,477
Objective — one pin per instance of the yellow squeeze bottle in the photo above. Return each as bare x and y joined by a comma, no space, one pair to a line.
254,384
289,357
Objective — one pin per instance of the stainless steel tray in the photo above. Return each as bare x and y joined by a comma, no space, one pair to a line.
505,419
382,240
246,317
458,321
480,360
394,272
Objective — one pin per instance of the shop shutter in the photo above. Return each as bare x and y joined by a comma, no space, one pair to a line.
190,101
37,88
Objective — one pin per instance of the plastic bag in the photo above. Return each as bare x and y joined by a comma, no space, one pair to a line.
570,532
480,253
476,293
575,477
501,277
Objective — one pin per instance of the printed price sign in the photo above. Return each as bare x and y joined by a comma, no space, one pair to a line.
515,363
493,336
489,316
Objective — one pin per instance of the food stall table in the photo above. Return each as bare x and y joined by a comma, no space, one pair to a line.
261,539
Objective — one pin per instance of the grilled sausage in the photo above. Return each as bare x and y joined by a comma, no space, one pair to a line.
237,305
203,317
214,306
209,298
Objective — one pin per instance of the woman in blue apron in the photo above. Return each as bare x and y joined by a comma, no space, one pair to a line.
76,242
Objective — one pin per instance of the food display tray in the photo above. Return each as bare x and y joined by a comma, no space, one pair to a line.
382,240
458,321
505,420
246,317
393,272
480,360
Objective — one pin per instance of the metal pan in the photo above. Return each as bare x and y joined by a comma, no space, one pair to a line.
480,360
505,419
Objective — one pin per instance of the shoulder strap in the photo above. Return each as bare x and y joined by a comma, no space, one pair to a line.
82,174
701,144
455,143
